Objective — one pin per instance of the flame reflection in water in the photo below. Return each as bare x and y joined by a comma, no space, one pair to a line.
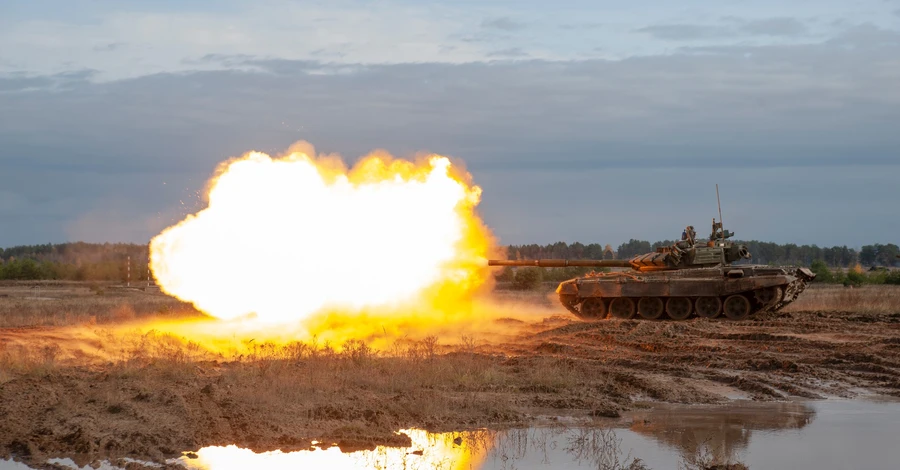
722,434
467,450
446,451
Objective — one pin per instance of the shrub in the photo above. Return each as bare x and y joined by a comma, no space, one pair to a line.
877,277
505,275
823,274
855,278
838,276
528,278
893,278
21,269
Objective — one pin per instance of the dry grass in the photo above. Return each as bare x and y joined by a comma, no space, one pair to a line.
62,304
834,298
27,361
418,370
92,327
320,375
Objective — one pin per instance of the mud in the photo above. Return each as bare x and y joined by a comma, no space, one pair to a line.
797,354
155,408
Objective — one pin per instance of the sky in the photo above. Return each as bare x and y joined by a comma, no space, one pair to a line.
591,121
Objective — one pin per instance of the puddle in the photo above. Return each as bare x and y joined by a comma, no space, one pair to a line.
798,435
463,450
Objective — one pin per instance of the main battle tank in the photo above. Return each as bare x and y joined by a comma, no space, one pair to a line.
687,278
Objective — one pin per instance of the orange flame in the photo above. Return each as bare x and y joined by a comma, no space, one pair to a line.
284,238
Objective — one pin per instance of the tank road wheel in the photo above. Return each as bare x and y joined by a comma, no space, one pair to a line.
737,307
768,296
622,307
679,308
593,308
708,307
650,308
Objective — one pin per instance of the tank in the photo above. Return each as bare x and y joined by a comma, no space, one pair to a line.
690,278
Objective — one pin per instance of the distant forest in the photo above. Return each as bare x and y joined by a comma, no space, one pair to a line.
75,261
110,261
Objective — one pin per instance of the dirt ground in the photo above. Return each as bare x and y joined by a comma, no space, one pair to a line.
69,385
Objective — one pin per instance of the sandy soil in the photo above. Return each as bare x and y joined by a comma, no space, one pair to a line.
157,406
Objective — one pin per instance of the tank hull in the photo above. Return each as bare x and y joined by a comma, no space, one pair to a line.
649,294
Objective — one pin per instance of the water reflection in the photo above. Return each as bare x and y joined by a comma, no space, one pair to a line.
557,447
481,449
698,434
444,451
721,432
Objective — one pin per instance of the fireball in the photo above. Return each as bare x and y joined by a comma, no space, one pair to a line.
283,238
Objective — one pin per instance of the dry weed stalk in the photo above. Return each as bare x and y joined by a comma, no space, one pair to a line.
602,448
834,298
705,458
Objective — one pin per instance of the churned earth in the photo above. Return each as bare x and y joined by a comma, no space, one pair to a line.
152,396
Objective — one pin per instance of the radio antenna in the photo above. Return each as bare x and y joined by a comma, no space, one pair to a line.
719,202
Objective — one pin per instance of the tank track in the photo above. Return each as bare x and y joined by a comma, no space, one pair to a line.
790,293
570,302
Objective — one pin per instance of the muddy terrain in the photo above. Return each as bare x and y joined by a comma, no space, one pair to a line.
83,387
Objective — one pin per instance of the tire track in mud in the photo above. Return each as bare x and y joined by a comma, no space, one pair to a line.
797,354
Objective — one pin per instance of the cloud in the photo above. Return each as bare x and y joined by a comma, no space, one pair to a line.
581,26
685,32
732,28
159,39
866,36
127,41
23,82
503,23
538,135
773,27
109,47
511,52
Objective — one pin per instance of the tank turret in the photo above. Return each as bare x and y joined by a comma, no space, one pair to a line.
681,255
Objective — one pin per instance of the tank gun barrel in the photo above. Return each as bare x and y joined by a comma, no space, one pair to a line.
563,263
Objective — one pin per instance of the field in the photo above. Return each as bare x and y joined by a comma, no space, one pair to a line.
84,371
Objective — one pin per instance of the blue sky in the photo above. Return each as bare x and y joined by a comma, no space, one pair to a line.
590,121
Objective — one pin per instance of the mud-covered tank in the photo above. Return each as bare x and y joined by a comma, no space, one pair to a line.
691,277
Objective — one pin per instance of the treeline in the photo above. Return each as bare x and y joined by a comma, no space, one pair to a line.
74,262
75,253
763,252
854,276
562,250
531,277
